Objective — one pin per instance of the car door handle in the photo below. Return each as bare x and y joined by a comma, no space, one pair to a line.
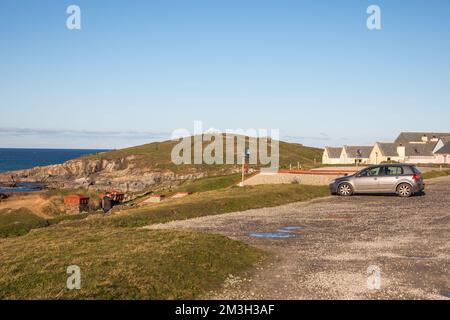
375,178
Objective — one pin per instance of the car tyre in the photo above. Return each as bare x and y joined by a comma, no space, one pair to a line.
345,190
404,190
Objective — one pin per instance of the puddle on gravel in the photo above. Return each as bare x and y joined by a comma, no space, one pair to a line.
282,233
277,235
289,229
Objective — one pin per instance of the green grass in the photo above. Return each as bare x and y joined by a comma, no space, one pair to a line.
214,202
118,260
67,217
435,174
119,263
19,222
157,155
208,184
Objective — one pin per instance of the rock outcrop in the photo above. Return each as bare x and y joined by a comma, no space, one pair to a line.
99,174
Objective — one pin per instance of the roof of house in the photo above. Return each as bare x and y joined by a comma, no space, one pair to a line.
333,152
358,151
445,149
419,150
406,137
390,149
445,139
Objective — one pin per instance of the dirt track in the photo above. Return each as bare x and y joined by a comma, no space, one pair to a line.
408,239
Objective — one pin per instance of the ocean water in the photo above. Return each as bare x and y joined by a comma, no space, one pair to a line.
17,159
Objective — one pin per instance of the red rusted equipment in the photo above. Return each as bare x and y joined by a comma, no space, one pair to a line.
115,196
76,199
76,203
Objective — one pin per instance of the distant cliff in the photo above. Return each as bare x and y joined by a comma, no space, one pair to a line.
138,168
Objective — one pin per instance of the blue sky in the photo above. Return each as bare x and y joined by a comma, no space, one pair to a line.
137,70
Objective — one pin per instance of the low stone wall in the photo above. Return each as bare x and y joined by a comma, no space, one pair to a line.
76,208
287,178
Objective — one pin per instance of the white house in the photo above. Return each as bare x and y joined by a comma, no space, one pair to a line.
386,152
331,155
398,152
410,147
355,154
443,154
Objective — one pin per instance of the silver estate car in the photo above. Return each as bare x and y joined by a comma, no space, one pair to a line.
403,179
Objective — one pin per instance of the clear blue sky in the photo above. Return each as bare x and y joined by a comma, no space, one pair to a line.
139,69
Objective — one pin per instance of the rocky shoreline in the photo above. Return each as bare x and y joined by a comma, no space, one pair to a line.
98,174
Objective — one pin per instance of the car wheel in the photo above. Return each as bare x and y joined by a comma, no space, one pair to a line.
345,190
404,190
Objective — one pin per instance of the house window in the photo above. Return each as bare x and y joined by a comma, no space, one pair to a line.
389,159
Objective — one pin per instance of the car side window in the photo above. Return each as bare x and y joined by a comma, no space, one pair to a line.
393,171
374,172
371,172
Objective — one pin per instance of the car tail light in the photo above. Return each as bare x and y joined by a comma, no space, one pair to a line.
416,177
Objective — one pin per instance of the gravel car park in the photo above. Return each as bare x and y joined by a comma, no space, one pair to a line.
340,239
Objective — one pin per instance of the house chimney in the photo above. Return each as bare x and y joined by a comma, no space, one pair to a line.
401,151
424,138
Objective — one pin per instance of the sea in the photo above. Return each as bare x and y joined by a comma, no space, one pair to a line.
17,159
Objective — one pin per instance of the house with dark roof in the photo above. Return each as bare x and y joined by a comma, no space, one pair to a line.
419,153
410,147
420,137
331,155
385,152
399,152
355,154
443,154
441,142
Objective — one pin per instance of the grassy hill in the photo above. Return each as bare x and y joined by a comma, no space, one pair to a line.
158,155
120,260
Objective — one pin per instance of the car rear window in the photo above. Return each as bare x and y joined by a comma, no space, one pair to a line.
393,170
415,170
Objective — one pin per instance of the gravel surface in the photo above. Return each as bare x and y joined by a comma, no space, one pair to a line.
407,239
280,178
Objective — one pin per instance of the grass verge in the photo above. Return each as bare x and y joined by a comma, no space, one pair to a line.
209,184
215,202
119,263
435,174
